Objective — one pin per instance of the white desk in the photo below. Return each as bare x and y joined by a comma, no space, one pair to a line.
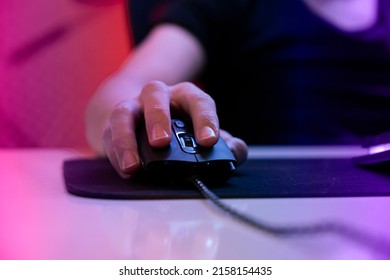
40,220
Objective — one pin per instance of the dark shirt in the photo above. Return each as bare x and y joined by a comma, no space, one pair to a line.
281,75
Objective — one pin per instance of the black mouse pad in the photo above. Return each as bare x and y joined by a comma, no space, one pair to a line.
255,179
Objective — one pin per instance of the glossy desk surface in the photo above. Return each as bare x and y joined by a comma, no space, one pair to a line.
40,220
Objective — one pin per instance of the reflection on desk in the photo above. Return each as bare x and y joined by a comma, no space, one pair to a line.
40,220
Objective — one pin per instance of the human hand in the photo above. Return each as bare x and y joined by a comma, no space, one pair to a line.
156,103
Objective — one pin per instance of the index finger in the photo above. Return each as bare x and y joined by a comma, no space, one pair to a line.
155,97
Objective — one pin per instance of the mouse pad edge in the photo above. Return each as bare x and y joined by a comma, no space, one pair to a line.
255,179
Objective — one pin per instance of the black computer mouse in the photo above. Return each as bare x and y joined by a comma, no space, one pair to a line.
185,158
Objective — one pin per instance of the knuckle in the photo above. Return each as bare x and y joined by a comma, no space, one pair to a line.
188,86
198,96
123,111
192,93
155,97
190,90
124,104
120,110
208,117
153,86
202,98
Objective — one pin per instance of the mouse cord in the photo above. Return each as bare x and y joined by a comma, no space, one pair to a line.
376,243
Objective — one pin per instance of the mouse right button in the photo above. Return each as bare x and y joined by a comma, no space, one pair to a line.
220,151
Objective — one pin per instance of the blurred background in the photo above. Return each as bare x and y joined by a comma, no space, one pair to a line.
53,56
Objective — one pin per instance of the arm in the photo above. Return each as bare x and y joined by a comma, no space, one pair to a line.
167,45
170,55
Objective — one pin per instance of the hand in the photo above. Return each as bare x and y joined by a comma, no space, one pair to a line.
156,103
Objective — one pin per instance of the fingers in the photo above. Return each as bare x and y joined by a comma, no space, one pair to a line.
155,102
120,141
155,99
202,110
237,146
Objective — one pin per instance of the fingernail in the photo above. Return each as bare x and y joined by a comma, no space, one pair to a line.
159,132
206,133
129,160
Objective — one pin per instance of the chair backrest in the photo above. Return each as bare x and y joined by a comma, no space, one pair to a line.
142,14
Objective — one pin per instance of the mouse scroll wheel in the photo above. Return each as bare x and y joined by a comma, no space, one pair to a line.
187,140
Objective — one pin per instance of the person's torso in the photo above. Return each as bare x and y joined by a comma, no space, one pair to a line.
288,76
